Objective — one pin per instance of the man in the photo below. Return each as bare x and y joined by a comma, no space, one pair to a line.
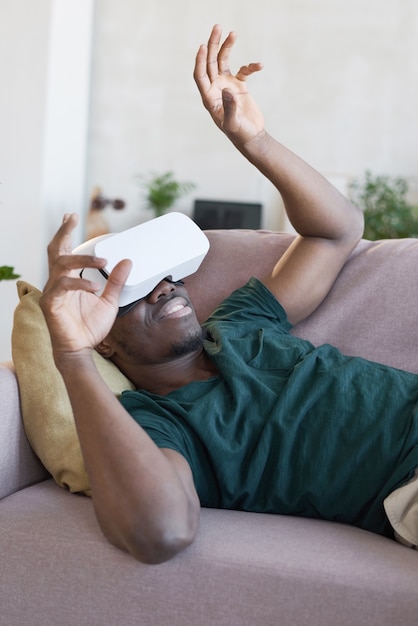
280,449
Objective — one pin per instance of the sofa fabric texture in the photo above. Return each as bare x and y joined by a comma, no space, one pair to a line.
244,568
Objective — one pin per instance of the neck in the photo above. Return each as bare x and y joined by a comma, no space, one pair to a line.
164,377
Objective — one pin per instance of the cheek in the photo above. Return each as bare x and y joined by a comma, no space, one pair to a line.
128,333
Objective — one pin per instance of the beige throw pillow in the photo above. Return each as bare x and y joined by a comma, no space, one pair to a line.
46,409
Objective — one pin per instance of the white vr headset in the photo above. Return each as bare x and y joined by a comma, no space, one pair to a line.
170,246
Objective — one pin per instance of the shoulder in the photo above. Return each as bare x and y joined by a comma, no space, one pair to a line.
252,300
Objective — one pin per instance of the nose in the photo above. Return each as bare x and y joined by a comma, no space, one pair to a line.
164,288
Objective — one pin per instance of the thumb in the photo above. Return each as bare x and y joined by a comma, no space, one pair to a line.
117,279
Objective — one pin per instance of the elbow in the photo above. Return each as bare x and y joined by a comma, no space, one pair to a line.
160,548
158,543
352,229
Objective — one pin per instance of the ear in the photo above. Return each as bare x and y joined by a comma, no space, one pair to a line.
105,348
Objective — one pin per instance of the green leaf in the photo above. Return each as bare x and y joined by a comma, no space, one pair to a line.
8,273
387,213
162,190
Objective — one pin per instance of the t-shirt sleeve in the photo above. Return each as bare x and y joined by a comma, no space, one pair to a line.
254,301
158,422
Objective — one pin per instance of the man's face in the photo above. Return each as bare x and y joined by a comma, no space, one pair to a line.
160,327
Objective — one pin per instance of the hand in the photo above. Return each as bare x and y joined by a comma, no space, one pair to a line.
224,95
76,317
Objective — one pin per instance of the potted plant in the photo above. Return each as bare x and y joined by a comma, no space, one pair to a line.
162,191
387,213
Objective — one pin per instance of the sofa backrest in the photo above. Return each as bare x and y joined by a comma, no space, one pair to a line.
371,311
19,466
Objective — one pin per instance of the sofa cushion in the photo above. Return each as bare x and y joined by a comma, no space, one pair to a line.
371,309
46,409
243,569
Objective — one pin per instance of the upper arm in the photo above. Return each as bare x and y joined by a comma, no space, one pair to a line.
306,272
184,473
163,525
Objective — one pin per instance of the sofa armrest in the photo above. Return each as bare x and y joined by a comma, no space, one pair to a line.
19,467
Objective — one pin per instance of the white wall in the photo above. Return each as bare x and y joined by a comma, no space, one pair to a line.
44,65
339,87
24,33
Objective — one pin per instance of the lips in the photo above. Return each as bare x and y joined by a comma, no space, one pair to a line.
175,307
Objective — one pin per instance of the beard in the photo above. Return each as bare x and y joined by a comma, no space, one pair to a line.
189,344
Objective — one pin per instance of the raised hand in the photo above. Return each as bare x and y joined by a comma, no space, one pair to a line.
77,318
224,94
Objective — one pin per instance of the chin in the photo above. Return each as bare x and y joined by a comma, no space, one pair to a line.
189,344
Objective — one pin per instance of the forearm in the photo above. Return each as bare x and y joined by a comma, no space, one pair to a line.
141,501
328,224
314,206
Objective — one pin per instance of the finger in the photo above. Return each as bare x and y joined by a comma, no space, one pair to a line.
81,261
59,288
64,233
66,263
224,54
212,55
69,265
61,242
200,74
116,281
247,70
120,273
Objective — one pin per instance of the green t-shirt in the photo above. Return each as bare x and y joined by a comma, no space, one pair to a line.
287,427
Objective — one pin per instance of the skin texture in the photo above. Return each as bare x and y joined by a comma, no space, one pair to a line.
144,497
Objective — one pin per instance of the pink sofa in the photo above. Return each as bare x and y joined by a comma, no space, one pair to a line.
244,568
